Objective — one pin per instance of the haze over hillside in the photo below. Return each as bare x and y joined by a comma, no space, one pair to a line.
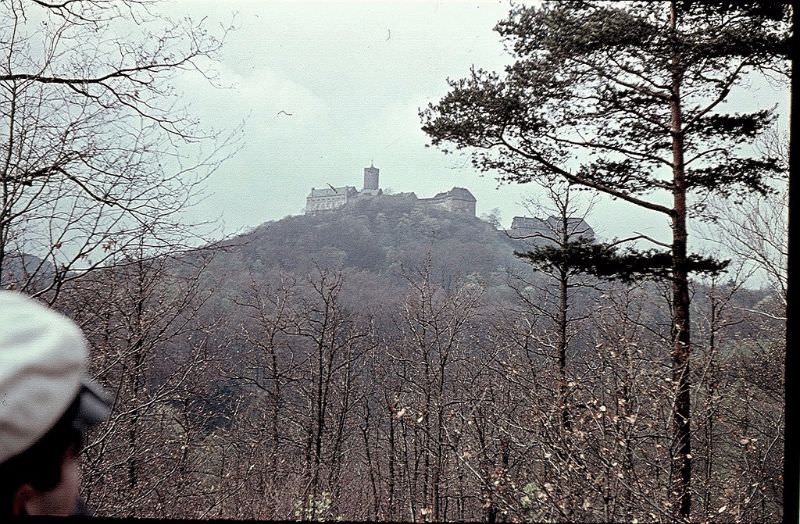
381,235
561,298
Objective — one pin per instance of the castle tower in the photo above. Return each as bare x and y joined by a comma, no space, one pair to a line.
371,179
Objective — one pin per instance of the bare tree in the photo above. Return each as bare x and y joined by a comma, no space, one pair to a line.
549,255
333,342
754,229
430,356
634,93
95,151
148,346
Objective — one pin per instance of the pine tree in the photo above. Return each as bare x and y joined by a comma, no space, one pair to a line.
627,100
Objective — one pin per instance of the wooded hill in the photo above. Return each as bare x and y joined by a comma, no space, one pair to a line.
387,362
381,235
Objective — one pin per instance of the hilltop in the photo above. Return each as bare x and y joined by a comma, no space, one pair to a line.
382,235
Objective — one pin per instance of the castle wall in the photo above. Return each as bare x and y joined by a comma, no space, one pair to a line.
453,205
530,227
457,200
314,204
464,207
327,199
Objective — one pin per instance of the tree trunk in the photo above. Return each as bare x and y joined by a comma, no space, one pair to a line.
563,305
681,464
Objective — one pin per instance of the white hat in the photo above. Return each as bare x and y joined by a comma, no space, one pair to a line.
43,360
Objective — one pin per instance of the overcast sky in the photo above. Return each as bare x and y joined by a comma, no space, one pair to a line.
325,88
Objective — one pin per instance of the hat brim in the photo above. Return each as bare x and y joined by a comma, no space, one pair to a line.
94,406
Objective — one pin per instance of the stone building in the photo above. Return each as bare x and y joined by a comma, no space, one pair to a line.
549,230
330,197
457,200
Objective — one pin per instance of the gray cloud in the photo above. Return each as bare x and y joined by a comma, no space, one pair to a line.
326,87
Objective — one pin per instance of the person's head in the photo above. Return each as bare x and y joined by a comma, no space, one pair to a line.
46,406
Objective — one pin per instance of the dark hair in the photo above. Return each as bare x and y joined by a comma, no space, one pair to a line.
40,464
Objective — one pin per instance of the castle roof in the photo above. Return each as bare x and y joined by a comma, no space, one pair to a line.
459,193
332,191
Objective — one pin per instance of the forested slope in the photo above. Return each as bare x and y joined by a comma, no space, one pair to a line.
381,235
385,362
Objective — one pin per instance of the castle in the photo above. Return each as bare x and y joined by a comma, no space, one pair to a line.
457,200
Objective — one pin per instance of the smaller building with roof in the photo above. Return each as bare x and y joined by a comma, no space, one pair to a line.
549,230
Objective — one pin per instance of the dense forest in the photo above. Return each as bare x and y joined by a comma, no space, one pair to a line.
389,362
386,361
